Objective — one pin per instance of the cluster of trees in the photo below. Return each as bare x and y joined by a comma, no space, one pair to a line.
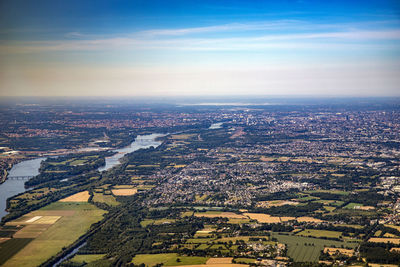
61,167
22,206
122,237
291,210
367,198
379,253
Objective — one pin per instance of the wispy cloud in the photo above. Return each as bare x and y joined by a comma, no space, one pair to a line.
273,25
74,35
255,36
276,25
325,40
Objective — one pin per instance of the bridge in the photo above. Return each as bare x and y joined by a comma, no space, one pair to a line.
19,177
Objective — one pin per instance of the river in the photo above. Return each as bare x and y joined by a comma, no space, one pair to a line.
69,255
217,125
13,185
29,168
141,141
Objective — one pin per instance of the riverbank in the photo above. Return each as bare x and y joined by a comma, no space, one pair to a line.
15,182
6,164
140,142
24,170
65,218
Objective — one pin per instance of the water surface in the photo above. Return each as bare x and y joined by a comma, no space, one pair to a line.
217,125
141,141
16,179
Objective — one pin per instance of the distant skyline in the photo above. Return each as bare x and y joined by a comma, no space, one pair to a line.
196,48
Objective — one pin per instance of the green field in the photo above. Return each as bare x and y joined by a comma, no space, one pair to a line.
307,249
78,162
199,240
218,247
307,198
319,233
356,226
202,235
336,192
245,260
75,221
167,259
203,247
107,199
147,222
11,247
87,258
76,206
329,208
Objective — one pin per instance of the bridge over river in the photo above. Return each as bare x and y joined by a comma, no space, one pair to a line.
15,182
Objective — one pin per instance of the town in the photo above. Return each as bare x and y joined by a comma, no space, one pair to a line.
269,185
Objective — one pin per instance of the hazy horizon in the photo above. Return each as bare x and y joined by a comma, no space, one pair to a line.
138,48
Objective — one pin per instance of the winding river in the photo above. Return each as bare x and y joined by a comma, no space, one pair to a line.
141,141
22,171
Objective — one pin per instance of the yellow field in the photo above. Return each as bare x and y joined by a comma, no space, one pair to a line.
78,197
385,240
283,159
276,203
123,186
283,202
390,235
332,251
180,166
181,136
205,231
124,192
397,250
266,218
211,214
381,265
219,261
263,218
337,174
366,208
308,219
217,265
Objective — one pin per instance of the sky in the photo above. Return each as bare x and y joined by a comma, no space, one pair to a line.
121,48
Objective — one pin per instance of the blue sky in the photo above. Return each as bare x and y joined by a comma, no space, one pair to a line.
145,48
